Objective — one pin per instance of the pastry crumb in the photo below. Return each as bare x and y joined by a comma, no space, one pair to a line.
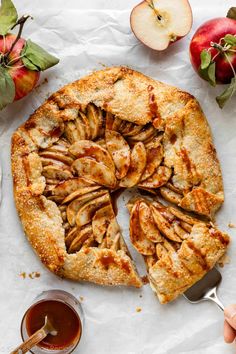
31,275
138,309
81,298
225,259
231,225
145,279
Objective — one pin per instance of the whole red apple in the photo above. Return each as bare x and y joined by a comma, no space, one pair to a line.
24,79
210,33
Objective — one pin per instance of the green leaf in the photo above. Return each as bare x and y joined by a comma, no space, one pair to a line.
205,59
227,94
29,65
230,39
232,13
36,58
7,88
8,16
209,74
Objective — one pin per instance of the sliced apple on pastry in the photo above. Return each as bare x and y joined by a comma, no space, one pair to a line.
56,172
154,158
95,171
58,156
158,178
76,204
120,152
80,238
100,221
158,23
139,240
137,166
145,134
87,148
86,211
147,223
94,116
113,235
67,187
79,192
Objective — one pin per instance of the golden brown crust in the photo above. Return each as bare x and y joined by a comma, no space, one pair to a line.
129,96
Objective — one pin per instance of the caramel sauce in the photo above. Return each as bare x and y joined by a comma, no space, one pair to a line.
152,103
186,159
63,318
173,138
106,260
125,265
114,197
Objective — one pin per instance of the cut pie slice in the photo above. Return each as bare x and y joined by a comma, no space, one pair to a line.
183,255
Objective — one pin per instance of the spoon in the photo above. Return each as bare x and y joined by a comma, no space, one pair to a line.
36,338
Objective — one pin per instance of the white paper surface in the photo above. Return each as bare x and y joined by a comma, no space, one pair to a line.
87,35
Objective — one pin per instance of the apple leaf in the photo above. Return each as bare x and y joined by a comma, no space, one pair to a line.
230,39
232,13
36,58
209,74
205,59
7,88
8,16
227,94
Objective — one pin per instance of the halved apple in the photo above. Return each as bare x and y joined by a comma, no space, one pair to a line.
158,23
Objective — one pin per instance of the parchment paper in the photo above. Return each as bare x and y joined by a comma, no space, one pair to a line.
87,35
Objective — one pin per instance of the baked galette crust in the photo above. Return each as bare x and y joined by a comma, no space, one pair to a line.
145,133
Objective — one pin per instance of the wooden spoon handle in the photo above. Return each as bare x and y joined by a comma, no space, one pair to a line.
31,342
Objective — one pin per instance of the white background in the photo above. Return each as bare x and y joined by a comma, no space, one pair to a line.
87,35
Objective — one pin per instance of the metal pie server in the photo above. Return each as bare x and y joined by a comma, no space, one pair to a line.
205,289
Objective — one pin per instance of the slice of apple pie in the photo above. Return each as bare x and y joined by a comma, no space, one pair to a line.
114,129
178,249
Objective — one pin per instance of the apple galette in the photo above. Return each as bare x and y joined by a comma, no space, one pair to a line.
117,128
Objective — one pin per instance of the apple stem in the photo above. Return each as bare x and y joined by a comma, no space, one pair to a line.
20,22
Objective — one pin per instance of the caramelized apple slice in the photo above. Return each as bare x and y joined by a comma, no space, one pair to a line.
86,212
94,120
137,166
81,237
113,234
79,192
71,236
147,224
81,128
87,148
100,222
95,171
158,179
116,124
56,172
136,129
144,134
154,159
67,187
138,238
109,120
164,226
170,195
76,204
86,125
57,156
71,132
120,152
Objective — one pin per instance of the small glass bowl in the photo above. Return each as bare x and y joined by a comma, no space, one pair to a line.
56,295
